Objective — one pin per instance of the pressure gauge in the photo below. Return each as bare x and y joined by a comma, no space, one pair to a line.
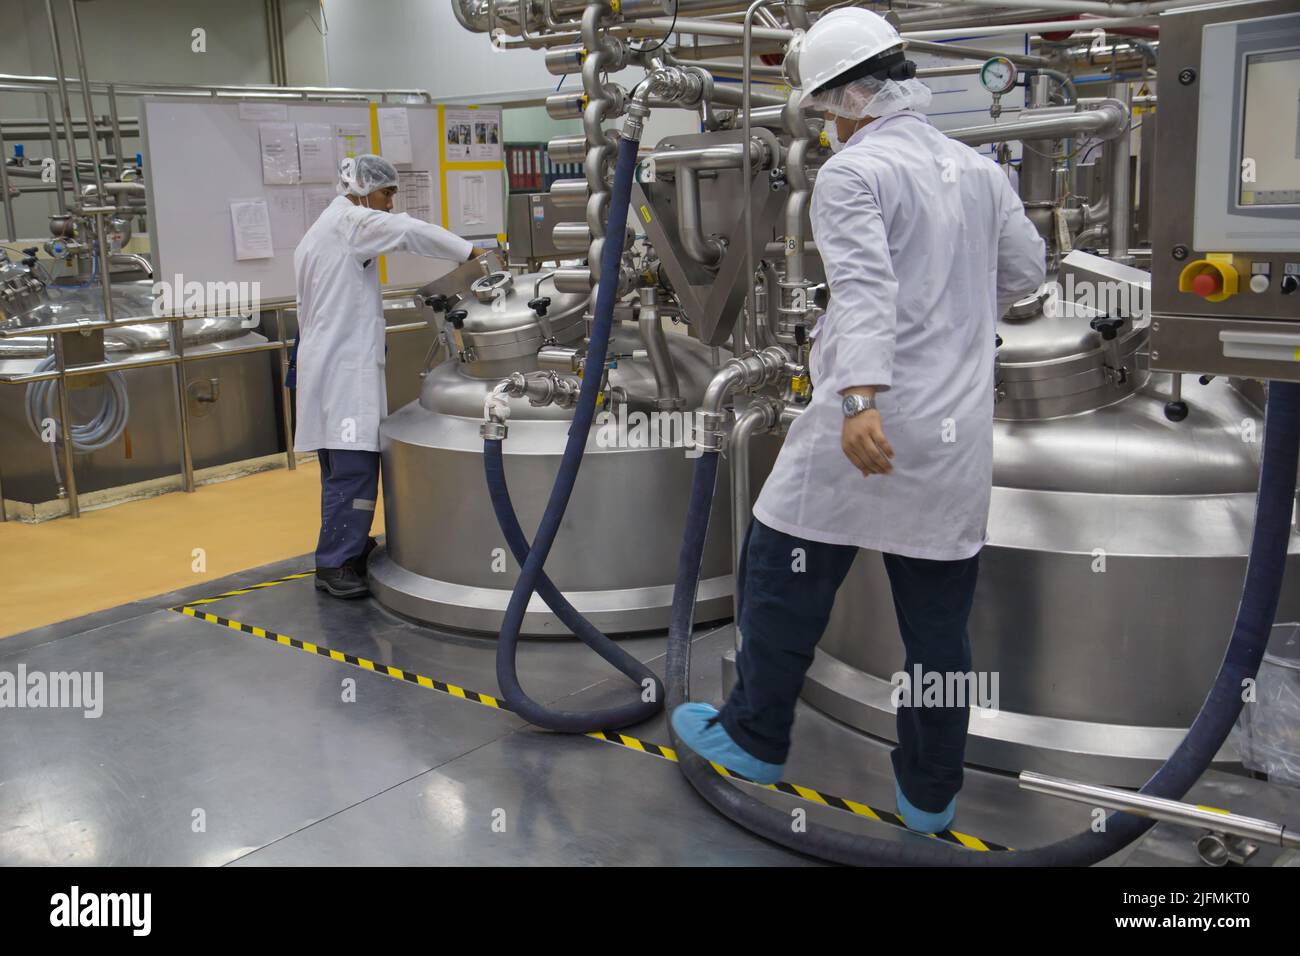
998,75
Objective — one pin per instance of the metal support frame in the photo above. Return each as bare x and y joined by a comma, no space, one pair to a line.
176,357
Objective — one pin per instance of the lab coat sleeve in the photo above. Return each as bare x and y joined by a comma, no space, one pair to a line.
863,315
1022,255
372,233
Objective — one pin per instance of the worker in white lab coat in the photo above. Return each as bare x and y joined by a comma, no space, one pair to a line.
339,365
925,245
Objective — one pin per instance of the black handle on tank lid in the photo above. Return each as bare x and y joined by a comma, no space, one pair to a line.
540,305
1107,326
457,318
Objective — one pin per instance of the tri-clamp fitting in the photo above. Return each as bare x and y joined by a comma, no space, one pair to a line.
752,370
540,388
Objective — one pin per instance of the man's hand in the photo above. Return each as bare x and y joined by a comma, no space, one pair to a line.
863,440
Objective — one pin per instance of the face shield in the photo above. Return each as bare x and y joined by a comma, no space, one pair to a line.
871,96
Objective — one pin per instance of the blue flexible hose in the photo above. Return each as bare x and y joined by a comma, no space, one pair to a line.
531,578
1255,614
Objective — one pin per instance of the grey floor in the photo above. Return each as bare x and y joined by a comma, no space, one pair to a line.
217,747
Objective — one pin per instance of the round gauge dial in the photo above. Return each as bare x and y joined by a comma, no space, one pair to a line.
998,75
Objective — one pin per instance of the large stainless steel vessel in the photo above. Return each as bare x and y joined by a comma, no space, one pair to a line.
615,557
231,400
1116,550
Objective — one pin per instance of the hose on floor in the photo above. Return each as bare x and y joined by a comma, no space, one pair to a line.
533,558
1255,613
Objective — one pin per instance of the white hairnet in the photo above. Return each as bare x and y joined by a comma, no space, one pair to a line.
872,96
362,175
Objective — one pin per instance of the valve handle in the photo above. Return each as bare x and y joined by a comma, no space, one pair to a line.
1108,327
457,318
540,305
437,302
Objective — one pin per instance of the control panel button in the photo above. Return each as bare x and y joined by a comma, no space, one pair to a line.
1207,284
1213,278
1289,284
1259,282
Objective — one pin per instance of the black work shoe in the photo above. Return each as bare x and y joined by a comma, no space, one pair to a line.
360,562
342,582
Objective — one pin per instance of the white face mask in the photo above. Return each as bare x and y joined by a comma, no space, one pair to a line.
832,130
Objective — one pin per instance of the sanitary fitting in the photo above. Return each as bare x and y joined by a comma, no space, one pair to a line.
750,371
541,388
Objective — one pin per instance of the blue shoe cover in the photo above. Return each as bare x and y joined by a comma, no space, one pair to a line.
920,820
711,741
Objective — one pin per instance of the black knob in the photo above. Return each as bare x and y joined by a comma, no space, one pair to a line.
1175,411
1206,379
997,341
1289,284
437,302
31,250
457,318
800,334
1107,326
540,305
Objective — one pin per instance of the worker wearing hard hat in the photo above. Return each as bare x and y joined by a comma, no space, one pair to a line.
925,244
340,354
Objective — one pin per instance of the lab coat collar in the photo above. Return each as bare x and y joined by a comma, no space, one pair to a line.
878,124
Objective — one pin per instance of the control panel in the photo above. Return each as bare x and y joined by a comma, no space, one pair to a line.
1225,262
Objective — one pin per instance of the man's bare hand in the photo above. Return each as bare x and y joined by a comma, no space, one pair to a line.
864,442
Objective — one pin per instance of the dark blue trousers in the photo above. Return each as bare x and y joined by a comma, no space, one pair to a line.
787,589
349,486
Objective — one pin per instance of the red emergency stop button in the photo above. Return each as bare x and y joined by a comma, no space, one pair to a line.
1207,284
1213,278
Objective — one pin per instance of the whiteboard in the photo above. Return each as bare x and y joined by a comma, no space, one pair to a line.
200,155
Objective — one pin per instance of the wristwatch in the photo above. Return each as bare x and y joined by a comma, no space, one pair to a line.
853,404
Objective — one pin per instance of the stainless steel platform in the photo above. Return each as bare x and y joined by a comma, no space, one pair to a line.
202,717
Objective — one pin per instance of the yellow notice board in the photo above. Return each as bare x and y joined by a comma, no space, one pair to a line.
471,166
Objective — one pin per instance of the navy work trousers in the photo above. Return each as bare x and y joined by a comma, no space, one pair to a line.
788,587
349,486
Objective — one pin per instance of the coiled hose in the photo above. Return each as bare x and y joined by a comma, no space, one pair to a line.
532,559
104,428
1263,584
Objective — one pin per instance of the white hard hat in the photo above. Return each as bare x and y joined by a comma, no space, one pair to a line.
837,42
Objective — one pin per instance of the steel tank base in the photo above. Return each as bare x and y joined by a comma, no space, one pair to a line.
1121,755
481,610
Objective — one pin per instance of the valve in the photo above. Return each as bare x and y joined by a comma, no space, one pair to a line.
540,305
1108,328
438,303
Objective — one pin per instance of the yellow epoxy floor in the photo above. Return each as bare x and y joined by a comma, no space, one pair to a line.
64,568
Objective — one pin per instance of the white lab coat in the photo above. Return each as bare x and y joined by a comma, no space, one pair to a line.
925,244
341,392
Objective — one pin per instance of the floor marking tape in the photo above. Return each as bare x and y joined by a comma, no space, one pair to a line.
248,590
608,736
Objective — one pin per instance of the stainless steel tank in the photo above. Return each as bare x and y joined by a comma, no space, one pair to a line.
615,557
1116,551
231,400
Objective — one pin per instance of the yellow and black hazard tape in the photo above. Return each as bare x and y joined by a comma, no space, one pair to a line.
805,793
297,576
622,740
386,670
